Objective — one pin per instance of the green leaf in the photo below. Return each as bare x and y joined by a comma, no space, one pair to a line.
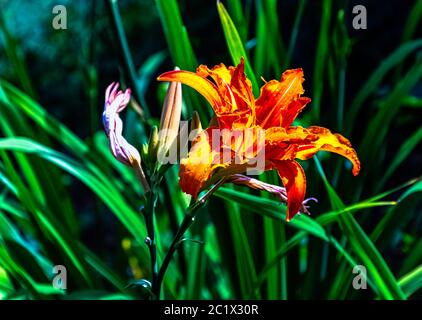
321,58
405,150
16,59
270,52
110,196
147,70
271,209
243,251
398,215
363,247
294,241
374,81
295,31
332,216
16,99
100,267
176,35
412,21
196,274
412,282
412,102
378,127
235,45
413,257
239,19
36,289
181,51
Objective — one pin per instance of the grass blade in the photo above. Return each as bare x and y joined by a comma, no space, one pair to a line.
295,32
378,127
363,247
412,281
16,59
405,150
321,59
111,197
181,51
271,209
374,81
239,20
235,45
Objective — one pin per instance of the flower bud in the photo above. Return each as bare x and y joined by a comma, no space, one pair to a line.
153,145
170,116
115,102
144,154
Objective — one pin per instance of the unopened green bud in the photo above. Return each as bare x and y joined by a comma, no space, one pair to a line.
153,145
144,154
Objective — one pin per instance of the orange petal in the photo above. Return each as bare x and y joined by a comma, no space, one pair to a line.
327,141
219,73
283,144
238,109
278,100
304,143
196,169
229,92
242,87
292,110
216,154
205,87
298,135
232,84
294,180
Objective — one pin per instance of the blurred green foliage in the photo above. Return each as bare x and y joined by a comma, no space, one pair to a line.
65,199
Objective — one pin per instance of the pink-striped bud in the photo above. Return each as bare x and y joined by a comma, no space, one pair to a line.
115,102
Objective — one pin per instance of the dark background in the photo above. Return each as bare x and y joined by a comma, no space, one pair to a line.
70,70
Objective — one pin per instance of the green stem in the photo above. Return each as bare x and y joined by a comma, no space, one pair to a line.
186,223
188,220
149,214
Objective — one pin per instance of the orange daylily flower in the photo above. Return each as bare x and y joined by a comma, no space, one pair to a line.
237,112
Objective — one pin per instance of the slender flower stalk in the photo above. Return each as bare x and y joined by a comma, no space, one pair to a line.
115,102
149,215
159,144
188,220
